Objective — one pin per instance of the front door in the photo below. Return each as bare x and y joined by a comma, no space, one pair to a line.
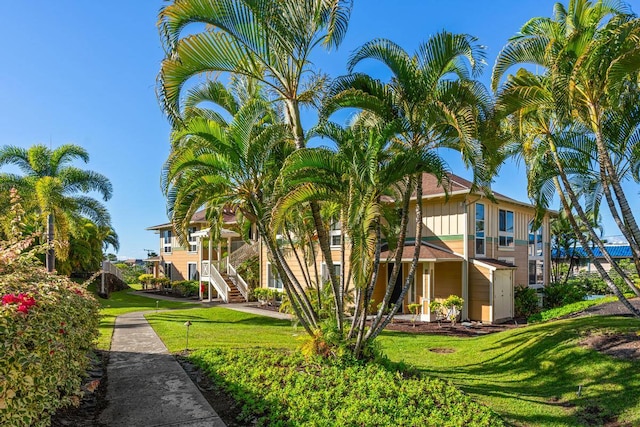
397,287
502,295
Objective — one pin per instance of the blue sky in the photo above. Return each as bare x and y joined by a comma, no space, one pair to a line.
84,72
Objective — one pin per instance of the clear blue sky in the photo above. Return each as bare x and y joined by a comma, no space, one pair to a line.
83,72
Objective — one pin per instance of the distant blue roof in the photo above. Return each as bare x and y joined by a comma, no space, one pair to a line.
616,251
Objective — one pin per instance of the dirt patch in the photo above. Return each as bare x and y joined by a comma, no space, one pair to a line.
442,350
220,401
620,346
94,399
465,329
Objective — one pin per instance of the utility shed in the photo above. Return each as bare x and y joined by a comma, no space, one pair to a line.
490,290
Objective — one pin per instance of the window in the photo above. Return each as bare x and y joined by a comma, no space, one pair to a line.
168,270
192,240
480,241
505,229
166,241
324,271
536,258
192,271
336,234
273,278
535,241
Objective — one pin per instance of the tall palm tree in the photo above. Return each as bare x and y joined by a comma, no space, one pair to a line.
363,169
589,52
433,95
265,40
56,190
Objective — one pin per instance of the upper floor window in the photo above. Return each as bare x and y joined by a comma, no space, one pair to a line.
336,234
535,241
166,241
192,240
480,237
505,229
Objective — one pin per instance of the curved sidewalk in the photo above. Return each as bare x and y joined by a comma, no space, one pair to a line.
146,386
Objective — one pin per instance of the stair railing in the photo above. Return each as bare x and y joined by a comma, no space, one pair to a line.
239,282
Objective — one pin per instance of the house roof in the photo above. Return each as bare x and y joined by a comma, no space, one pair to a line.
456,185
616,251
494,264
428,252
228,217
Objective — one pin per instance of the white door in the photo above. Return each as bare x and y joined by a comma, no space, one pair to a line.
502,294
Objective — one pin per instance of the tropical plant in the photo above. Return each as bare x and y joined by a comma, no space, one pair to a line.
589,58
525,301
267,42
55,191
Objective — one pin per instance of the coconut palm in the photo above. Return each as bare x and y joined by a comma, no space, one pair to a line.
589,53
267,41
56,190
433,95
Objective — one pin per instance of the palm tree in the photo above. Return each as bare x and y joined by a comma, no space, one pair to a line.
363,169
267,41
55,190
439,105
589,53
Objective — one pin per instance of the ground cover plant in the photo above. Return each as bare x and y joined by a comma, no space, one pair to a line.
122,302
47,326
528,375
280,388
565,310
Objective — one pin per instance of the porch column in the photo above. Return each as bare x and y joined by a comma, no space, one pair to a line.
200,268
228,252
210,256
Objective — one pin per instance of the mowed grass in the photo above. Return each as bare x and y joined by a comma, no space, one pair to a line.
219,327
122,302
531,375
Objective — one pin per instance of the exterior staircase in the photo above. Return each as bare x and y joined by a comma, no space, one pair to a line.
234,295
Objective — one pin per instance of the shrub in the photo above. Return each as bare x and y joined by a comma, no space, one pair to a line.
559,294
525,301
558,312
185,288
47,326
286,389
130,273
448,309
146,279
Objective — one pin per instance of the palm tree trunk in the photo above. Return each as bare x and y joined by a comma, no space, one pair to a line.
373,333
583,217
51,255
585,245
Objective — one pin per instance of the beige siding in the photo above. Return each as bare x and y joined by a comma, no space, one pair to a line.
448,279
479,293
440,217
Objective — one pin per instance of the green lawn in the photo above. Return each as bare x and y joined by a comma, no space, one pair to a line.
528,375
122,302
221,327
531,375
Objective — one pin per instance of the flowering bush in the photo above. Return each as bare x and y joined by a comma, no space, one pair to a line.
47,326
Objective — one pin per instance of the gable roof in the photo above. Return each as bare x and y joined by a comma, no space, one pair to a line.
428,252
228,217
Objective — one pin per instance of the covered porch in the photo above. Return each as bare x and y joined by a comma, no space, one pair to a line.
439,273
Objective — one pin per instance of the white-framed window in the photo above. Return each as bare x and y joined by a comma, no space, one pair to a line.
506,229
273,278
168,270
536,257
166,241
324,271
192,240
192,271
335,233
480,230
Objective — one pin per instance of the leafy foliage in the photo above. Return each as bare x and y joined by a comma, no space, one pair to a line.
285,389
565,310
525,301
47,326
559,294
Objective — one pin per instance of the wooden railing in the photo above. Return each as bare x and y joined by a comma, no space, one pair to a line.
239,282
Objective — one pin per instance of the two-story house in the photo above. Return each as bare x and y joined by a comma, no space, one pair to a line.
472,247
202,260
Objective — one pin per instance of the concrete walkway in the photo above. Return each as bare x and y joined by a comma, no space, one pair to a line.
146,386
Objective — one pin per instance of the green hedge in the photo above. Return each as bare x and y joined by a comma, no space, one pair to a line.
276,388
185,288
47,326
